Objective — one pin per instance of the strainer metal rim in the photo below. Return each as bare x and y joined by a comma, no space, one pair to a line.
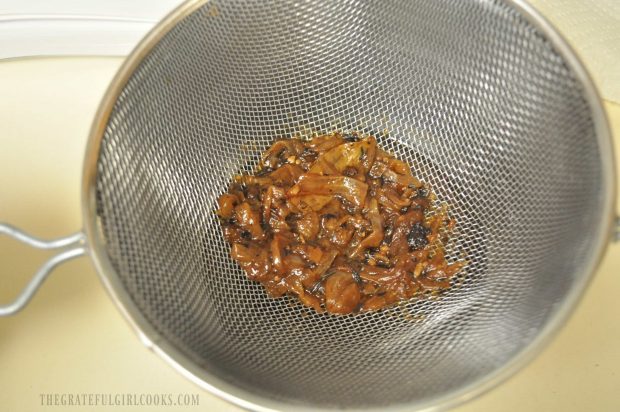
182,363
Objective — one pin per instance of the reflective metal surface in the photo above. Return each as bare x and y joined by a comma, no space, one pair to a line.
71,247
490,107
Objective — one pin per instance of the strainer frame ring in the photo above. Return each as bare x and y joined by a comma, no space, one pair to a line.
210,382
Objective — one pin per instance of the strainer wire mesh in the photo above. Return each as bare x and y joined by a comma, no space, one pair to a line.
468,92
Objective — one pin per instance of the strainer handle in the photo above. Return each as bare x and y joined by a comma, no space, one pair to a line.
617,231
72,246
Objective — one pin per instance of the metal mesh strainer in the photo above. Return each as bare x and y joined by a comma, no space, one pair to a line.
481,97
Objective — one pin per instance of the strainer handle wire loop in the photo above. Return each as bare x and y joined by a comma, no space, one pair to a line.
70,247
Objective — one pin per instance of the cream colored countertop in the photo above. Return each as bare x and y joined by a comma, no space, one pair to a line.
72,339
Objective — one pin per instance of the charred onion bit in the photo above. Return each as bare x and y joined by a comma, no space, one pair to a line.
417,237
337,222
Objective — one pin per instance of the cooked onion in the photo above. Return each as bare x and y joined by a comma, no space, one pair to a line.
337,222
